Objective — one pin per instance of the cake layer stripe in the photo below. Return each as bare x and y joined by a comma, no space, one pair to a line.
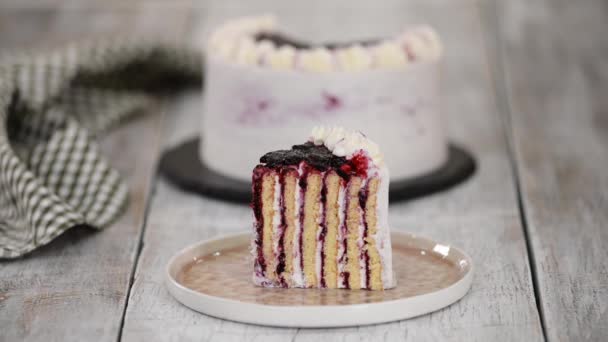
353,221
260,263
323,231
281,232
340,236
289,197
374,262
333,183
268,212
311,226
302,183
363,196
343,262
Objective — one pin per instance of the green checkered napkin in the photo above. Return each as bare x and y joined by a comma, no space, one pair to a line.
52,105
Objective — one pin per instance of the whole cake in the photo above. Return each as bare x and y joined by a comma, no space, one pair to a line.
264,88
321,214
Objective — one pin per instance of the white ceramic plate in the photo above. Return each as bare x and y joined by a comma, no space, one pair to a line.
214,277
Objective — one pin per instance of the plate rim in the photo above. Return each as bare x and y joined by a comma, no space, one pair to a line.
458,290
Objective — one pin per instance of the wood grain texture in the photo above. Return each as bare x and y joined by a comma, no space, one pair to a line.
481,216
189,4
556,68
75,288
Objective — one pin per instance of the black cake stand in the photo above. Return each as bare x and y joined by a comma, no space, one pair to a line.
182,166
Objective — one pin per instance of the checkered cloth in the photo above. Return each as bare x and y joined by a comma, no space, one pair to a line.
52,105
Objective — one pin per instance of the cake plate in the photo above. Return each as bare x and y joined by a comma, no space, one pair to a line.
182,166
214,278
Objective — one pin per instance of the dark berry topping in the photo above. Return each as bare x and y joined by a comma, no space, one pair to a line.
280,39
319,158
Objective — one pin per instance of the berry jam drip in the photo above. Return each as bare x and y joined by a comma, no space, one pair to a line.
256,204
320,158
363,195
280,40
344,258
282,228
303,184
323,233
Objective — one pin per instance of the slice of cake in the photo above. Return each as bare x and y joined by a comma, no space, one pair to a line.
321,214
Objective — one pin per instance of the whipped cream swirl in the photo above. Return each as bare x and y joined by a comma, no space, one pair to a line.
346,143
235,41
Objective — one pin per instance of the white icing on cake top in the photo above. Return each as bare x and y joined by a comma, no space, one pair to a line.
234,41
346,143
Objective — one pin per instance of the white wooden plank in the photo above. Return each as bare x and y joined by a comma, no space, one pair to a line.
97,5
556,63
481,215
188,4
75,288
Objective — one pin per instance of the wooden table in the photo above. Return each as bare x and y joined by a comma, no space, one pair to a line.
525,88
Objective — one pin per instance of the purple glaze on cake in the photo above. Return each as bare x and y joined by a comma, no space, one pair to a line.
303,184
258,173
319,158
279,40
282,227
363,195
332,102
323,232
344,229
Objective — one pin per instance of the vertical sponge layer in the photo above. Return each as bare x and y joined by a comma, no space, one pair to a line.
333,183
268,211
289,197
353,222
312,213
374,265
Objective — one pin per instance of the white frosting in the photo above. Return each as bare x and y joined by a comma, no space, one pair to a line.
345,143
264,48
282,58
389,55
226,48
262,114
316,60
246,52
416,46
433,41
422,42
354,58
383,235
